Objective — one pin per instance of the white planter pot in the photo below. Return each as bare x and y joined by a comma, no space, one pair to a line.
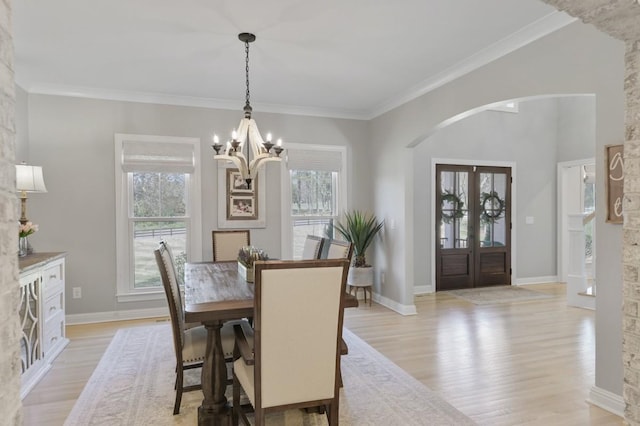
360,277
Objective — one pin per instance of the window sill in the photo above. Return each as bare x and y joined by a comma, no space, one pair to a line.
142,296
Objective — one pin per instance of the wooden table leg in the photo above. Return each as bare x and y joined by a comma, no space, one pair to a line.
214,410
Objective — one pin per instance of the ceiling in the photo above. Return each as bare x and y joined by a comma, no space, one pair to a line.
339,58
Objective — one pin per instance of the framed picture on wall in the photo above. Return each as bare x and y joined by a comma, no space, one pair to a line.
237,184
238,205
614,169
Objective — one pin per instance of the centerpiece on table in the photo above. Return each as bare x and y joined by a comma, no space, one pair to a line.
25,230
246,256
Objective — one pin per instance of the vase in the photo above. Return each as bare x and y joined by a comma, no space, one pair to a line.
23,246
246,273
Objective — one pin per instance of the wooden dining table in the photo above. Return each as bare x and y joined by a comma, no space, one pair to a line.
216,293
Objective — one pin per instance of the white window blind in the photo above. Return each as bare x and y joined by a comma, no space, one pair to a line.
320,160
152,156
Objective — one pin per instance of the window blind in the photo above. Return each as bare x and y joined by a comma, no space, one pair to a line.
147,156
307,159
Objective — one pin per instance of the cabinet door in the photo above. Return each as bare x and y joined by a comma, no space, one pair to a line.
29,312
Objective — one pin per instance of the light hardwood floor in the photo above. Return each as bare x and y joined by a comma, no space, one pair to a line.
529,363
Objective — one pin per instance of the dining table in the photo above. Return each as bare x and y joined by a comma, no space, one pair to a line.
216,293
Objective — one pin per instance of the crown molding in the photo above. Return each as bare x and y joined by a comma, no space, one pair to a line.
532,32
189,101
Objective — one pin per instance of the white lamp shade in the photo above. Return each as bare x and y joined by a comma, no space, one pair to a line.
29,178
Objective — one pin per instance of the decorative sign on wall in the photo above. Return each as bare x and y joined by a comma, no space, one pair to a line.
615,180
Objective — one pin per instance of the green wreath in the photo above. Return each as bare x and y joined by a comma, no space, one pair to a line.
495,209
456,212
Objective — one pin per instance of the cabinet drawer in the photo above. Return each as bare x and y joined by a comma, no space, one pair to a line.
53,305
53,332
53,278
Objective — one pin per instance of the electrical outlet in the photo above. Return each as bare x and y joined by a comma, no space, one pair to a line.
77,292
382,278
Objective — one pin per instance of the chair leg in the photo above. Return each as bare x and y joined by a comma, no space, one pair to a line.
179,384
333,414
259,416
236,401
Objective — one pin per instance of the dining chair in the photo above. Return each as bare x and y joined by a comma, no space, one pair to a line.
312,247
226,244
292,364
189,343
338,249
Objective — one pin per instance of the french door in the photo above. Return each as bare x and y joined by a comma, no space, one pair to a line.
473,225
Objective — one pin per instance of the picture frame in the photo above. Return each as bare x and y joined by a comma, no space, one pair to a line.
239,206
614,169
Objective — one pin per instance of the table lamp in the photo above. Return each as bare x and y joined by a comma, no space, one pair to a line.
28,179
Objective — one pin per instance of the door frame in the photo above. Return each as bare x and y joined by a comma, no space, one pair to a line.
566,206
467,162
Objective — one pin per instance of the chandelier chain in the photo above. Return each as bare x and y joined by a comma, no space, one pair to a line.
246,49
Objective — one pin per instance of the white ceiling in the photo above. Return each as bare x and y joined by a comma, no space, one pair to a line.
342,58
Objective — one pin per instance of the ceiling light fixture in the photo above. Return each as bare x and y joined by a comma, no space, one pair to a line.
258,151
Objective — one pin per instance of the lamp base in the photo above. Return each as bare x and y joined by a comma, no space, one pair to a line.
23,208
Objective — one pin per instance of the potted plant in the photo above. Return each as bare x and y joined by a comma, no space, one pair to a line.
360,229
246,256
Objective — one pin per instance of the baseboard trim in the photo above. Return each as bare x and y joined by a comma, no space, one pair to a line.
395,306
422,289
607,400
132,314
536,280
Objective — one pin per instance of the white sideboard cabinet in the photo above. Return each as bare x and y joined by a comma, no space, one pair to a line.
41,311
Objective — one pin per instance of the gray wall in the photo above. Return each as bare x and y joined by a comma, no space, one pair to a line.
22,125
574,60
73,140
530,139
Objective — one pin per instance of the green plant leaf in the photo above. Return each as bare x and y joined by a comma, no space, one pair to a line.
359,229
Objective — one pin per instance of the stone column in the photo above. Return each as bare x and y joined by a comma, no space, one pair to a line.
631,239
10,404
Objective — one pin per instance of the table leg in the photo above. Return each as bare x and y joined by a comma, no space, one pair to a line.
214,409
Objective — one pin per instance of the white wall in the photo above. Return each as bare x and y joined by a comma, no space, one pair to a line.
73,140
574,60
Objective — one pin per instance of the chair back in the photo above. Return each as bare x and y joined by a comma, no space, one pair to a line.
339,250
167,269
295,360
312,247
226,244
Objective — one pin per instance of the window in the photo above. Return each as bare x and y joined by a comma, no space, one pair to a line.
157,188
314,193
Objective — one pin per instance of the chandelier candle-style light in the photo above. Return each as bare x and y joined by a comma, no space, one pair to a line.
258,152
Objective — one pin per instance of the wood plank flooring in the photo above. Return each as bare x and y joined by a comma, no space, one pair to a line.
528,363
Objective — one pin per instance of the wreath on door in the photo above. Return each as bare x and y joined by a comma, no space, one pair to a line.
492,207
454,213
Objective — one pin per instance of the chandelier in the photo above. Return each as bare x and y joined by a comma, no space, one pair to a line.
246,138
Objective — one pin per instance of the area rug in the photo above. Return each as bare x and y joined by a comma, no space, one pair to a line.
133,385
501,294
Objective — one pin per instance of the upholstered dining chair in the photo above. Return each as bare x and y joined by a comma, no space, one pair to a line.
226,244
312,247
292,364
189,343
338,249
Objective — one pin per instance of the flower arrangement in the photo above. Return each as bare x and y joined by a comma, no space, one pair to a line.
249,254
27,229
